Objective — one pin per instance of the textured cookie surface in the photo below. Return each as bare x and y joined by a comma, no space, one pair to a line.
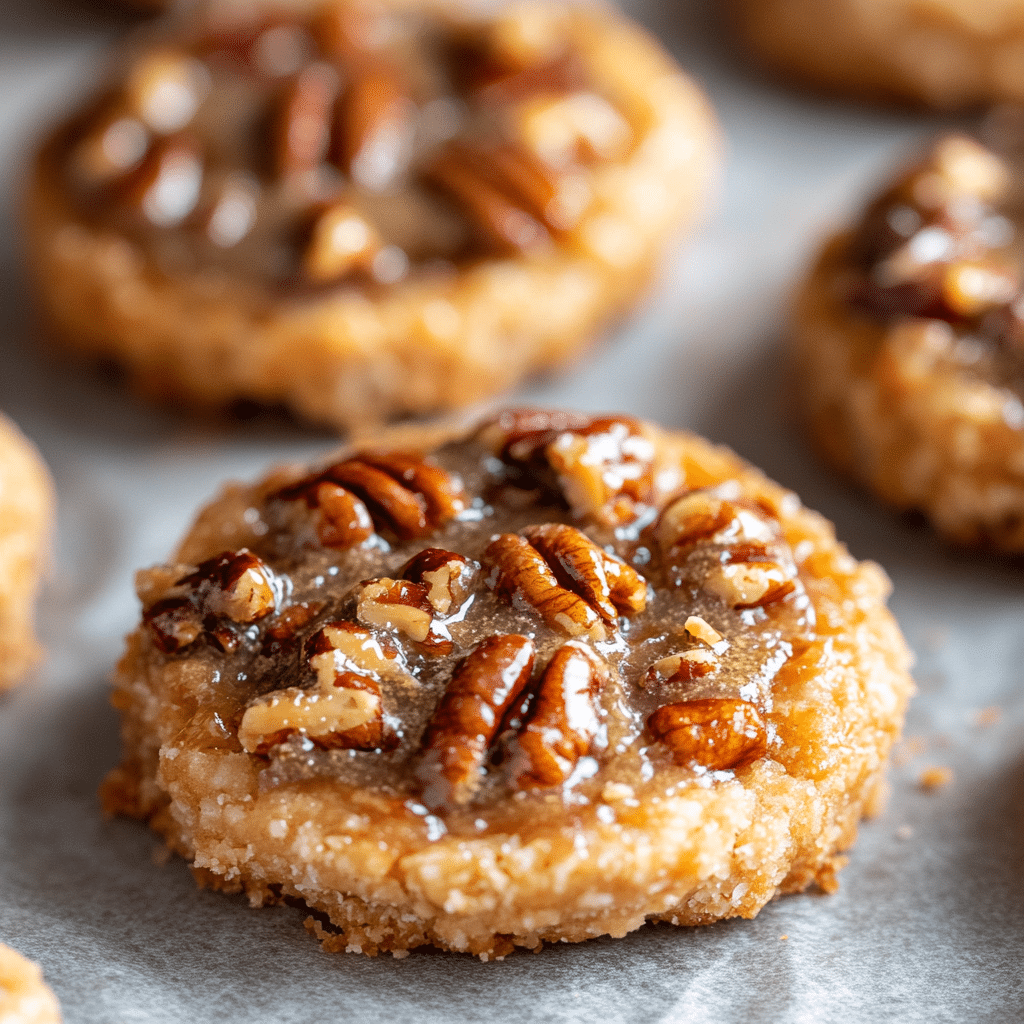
24,996
909,346
948,54
368,210
26,513
548,680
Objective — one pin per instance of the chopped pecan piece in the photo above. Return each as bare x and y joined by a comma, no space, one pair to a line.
717,734
165,89
483,686
681,668
343,710
448,575
405,607
560,572
165,186
341,241
563,130
301,120
564,718
233,589
372,129
731,548
401,493
602,466
753,580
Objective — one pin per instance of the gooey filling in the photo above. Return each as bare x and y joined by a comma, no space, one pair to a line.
538,608
354,146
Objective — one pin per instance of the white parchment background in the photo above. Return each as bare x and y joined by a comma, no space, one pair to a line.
929,923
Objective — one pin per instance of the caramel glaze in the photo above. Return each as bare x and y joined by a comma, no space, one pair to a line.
348,149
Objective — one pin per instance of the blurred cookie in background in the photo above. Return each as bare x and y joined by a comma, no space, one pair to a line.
361,212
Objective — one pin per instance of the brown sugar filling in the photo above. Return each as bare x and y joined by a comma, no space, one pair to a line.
524,615
352,147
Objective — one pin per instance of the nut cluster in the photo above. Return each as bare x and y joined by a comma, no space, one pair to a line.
729,548
216,603
576,586
936,245
502,673
602,467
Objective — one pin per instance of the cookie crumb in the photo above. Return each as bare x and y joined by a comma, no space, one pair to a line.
782,938
904,833
985,717
935,777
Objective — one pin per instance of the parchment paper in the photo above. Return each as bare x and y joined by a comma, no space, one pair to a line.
929,922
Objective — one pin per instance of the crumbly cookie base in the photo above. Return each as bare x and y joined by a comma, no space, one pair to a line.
427,345
947,54
26,514
882,407
24,996
378,881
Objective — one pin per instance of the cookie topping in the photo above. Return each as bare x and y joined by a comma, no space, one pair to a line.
603,467
412,660
433,139
401,495
343,710
942,244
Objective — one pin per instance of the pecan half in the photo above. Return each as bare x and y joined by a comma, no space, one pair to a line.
564,718
715,733
483,686
602,466
343,710
218,600
372,128
507,194
400,493
576,586
300,130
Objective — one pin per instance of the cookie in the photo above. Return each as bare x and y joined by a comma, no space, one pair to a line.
26,514
946,54
908,345
543,680
24,996
366,211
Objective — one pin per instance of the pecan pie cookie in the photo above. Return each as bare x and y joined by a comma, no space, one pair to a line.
26,511
367,210
24,996
908,340
947,54
546,680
